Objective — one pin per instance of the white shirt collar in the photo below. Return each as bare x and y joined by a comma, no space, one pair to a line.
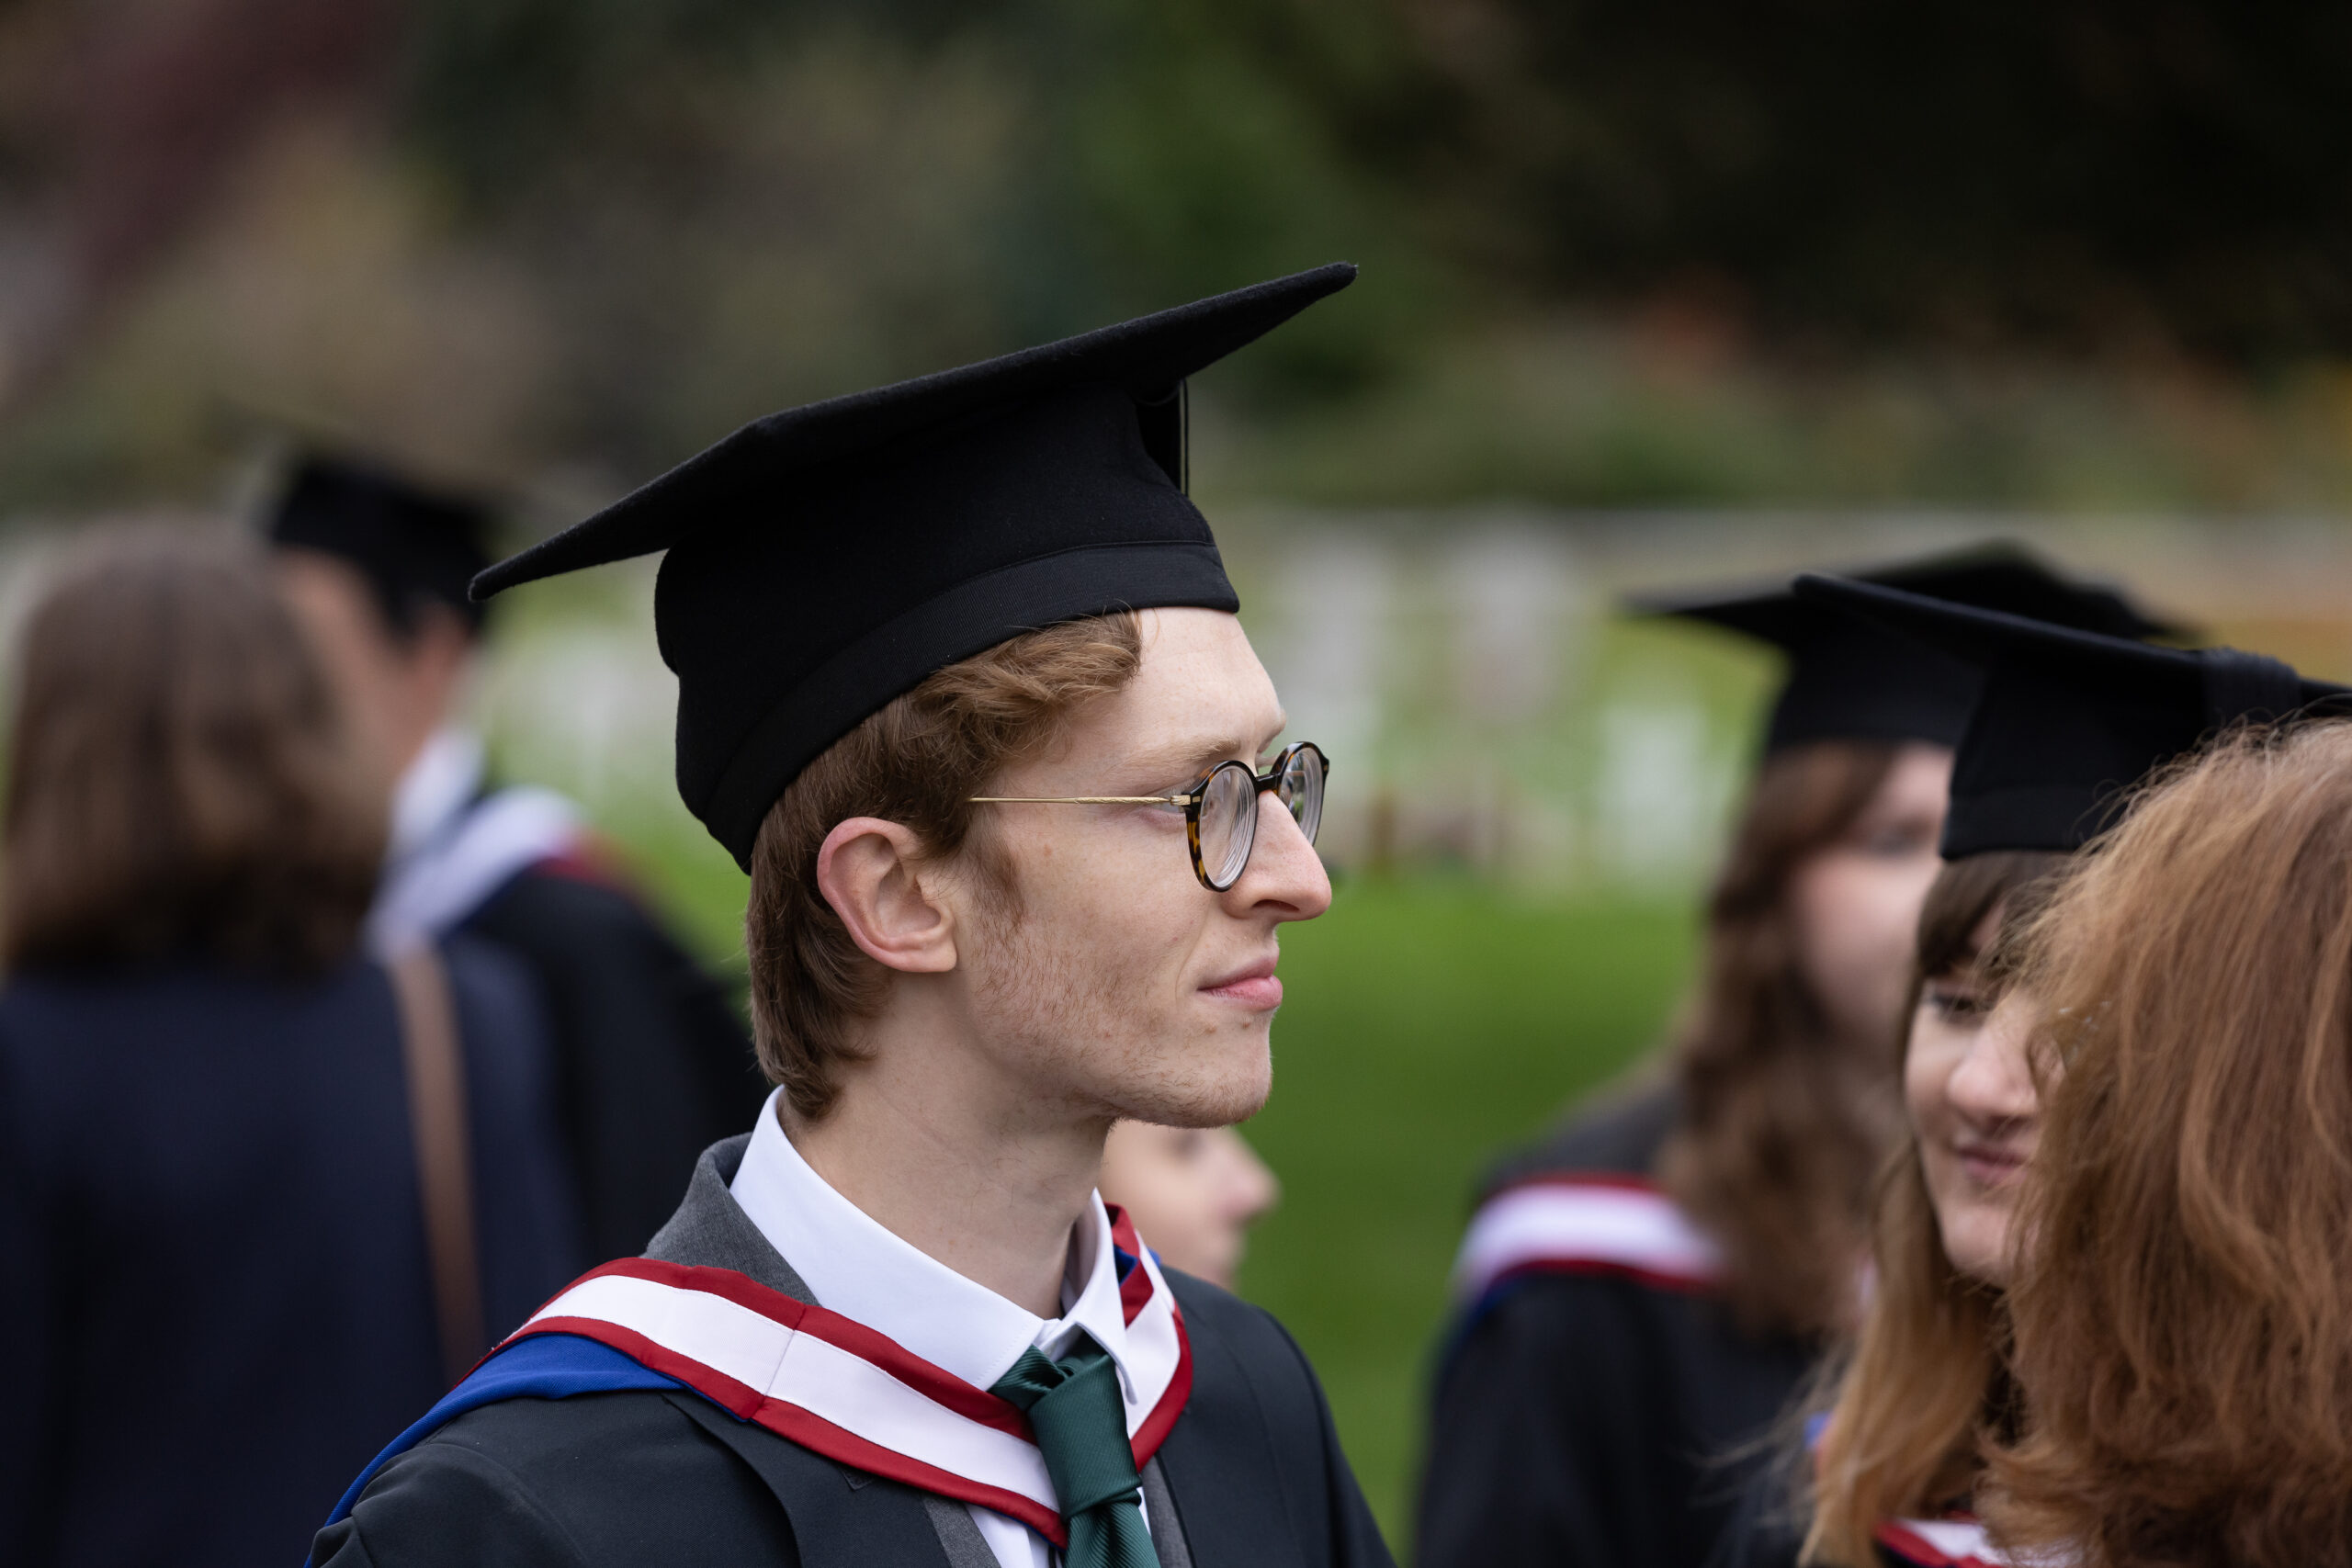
855,1267
432,789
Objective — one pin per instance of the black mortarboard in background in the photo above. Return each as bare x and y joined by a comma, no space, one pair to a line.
2068,720
1850,679
825,559
412,545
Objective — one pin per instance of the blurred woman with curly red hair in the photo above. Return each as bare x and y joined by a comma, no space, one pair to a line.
2183,1318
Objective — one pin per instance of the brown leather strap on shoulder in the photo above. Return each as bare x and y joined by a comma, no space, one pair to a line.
436,1103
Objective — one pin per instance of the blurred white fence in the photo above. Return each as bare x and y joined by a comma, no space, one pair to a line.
1483,705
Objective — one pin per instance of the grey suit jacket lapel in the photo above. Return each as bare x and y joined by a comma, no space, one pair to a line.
711,1231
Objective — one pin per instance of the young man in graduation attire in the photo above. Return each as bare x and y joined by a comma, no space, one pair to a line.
961,685
1626,1335
653,1062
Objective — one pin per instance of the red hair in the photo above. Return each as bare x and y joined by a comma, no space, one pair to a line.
2183,1319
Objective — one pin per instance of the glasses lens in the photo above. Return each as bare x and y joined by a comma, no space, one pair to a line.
1300,789
1228,823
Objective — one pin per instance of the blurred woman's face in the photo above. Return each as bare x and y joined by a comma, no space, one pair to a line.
1968,1083
1191,1192
1856,902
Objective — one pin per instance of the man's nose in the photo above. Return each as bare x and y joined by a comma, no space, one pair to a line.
1284,872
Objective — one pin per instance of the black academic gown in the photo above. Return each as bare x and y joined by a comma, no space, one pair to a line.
1589,1419
214,1298
1766,1527
1250,1475
653,1062
1766,1530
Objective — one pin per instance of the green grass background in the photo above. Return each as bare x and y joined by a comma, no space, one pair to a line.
1426,1027
1429,1024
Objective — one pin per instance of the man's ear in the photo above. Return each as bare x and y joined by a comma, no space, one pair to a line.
866,868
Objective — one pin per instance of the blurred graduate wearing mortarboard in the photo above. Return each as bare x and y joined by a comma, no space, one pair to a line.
262,1195
895,1323
1640,1295
2066,725
652,1058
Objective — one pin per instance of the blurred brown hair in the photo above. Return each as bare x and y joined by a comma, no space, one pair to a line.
179,783
1924,1379
917,763
2183,1316
1777,1140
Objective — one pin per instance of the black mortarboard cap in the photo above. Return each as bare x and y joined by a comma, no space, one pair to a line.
2069,721
411,543
825,559
1850,679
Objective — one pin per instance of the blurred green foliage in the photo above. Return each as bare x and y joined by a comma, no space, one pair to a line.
2073,255
1144,153
2074,171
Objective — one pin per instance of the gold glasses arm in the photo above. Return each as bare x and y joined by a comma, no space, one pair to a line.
1080,799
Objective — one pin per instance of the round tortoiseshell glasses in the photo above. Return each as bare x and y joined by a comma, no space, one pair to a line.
1221,809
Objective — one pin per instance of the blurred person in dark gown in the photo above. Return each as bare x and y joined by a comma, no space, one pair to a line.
1643,1293
652,1059
217,1298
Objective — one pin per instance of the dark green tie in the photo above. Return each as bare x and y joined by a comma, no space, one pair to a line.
1082,1425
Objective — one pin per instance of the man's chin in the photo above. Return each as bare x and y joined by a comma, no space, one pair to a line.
1217,1101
